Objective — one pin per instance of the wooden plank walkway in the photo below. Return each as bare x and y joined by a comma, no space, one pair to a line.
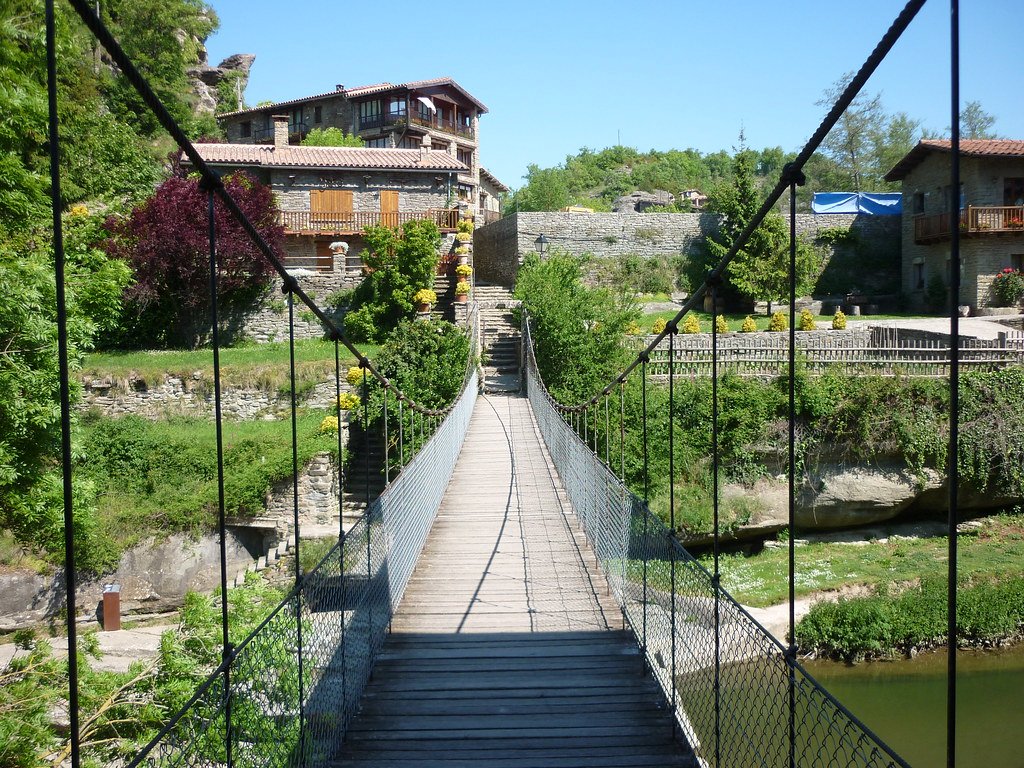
506,651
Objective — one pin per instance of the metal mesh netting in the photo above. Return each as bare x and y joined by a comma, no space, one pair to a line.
345,605
675,610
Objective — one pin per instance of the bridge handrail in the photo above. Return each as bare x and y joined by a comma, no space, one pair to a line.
675,627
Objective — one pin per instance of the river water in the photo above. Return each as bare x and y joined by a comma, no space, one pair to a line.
904,702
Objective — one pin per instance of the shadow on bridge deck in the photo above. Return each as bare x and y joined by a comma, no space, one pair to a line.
506,649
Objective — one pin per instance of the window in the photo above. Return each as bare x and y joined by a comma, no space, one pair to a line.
918,203
1013,191
245,129
369,114
318,114
382,143
918,276
396,106
1017,261
295,122
409,142
465,156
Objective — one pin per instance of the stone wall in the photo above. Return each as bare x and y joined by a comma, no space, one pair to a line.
871,256
318,495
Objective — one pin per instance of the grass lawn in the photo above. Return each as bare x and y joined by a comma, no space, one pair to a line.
996,551
263,366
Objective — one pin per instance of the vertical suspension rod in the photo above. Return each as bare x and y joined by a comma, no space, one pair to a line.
646,511
295,519
954,381
672,509
226,649
716,577
65,388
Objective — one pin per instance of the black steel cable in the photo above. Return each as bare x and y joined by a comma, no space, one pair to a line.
295,521
672,509
954,381
716,577
647,499
226,654
65,385
341,513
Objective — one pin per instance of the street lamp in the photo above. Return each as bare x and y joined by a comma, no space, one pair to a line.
541,244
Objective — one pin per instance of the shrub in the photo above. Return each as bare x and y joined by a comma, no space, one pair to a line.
329,424
462,288
749,326
463,270
1008,287
465,225
778,322
633,329
354,377
807,320
690,324
424,296
347,401
839,321
659,325
720,325
462,250
463,237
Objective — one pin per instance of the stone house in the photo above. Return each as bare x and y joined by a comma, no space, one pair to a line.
491,193
384,116
991,216
329,195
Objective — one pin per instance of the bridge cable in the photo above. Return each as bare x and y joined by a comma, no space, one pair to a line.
341,514
953,471
226,650
65,387
295,520
716,576
369,521
672,509
647,514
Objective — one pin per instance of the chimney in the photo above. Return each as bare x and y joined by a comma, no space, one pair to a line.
339,87
424,145
280,130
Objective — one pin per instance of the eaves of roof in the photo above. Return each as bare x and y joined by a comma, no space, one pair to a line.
998,148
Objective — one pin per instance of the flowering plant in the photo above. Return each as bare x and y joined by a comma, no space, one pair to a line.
463,270
691,324
839,321
1008,287
424,296
749,326
347,401
659,325
329,424
461,289
354,376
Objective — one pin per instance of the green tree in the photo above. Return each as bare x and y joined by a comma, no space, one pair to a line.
976,123
331,137
401,261
760,269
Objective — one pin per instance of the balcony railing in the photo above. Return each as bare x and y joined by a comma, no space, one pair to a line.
490,216
975,220
265,134
353,222
388,119
449,126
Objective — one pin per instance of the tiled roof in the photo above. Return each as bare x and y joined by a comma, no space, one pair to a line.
268,156
362,90
493,180
968,148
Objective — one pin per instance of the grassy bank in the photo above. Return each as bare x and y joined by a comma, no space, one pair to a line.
262,366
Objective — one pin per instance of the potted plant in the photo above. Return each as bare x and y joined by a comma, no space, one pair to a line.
423,298
463,271
462,292
464,237
462,251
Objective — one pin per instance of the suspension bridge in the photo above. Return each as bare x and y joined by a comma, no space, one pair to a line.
506,600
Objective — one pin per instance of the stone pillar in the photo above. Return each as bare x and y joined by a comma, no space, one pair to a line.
280,130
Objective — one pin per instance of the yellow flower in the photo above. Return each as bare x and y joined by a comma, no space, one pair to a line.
347,401
749,326
659,325
329,424
691,324
354,376
79,209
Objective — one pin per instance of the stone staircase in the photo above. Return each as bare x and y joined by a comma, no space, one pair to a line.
500,338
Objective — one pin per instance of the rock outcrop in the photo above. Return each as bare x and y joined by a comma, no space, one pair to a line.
205,79
638,202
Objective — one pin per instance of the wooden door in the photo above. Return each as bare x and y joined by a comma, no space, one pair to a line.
330,210
388,208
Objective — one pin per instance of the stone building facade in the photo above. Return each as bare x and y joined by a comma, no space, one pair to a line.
875,242
991,217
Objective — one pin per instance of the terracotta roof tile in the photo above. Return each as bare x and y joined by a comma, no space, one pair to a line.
968,148
267,156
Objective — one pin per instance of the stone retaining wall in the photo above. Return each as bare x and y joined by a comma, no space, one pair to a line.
867,261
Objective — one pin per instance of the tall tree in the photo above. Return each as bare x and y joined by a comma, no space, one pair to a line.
976,123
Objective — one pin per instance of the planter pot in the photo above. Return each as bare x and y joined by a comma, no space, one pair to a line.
461,298
463,278
423,308
464,259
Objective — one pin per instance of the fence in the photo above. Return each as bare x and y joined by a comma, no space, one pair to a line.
739,696
768,355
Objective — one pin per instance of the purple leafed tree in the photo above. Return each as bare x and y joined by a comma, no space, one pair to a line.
166,242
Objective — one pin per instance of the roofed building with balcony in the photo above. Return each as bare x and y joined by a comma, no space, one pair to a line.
329,195
384,116
990,221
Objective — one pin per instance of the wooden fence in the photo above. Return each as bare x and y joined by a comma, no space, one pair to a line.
769,357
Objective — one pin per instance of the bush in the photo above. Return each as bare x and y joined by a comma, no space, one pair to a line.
839,321
425,296
779,322
720,325
1008,287
659,325
749,326
807,320
690,324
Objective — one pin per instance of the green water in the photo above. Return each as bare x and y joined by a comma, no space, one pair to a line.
904,702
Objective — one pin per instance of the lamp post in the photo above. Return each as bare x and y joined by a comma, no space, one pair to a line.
541,243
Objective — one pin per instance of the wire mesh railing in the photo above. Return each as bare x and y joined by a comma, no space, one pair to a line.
727,678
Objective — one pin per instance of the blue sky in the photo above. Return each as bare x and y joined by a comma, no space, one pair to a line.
557,76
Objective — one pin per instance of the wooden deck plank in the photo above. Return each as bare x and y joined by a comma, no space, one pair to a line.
507,650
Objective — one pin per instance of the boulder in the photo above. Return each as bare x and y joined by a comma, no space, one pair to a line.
205,78
638,202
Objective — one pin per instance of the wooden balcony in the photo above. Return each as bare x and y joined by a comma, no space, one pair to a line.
975,221
355,222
